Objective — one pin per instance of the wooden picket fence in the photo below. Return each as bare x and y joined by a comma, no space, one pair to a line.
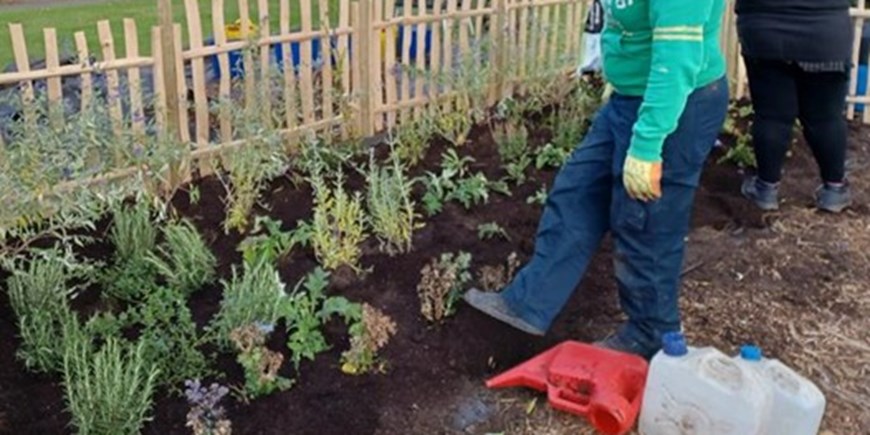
370,70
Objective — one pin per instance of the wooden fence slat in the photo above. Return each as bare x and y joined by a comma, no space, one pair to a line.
405,94
509,51
159,81
555,31
522,54
436,52
377,63
478,30
543,28
326,55
344,44
390,74
464,24
22,65
357,83
265,60
84,57
137,114
197,64
420,67
55,93
107,43
306,86
366,79
218,21
289,72
247,56
449,49
181,90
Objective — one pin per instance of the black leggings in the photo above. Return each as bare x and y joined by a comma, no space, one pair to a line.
782,92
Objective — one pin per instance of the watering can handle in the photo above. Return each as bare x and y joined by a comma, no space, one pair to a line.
557,398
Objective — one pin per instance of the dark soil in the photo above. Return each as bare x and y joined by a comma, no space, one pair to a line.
435,373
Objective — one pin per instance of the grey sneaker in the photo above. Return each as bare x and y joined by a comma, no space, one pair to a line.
833,198
762,193
494,305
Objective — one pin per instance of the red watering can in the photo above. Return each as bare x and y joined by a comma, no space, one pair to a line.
602,385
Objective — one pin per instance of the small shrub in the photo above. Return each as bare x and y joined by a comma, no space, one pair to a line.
512,138
390,206
260,364
255,296
411,140
493,278
108,392
184,259
134,236
452,119
741,154
441,284
39,294
206,416
454,184
169,337
368,335
552,156
338,226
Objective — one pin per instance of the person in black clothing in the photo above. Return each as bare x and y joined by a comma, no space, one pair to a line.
798,56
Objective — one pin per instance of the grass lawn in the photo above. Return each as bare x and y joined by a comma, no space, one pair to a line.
72,17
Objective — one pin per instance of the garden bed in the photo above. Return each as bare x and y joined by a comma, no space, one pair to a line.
434,373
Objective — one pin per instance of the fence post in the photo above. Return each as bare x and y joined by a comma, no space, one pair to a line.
170,75
366,43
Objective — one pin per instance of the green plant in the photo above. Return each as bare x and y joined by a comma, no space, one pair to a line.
184,259
260,364
251,166
540,197
411,140
512,138
308,310
741,154
338,226
169,338
39,293
390,206
269,243
134,237
452,119
108,391
370,333
490,230
551,155
441,284
255,296
453,184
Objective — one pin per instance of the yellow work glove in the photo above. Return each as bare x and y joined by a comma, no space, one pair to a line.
642,179
607,92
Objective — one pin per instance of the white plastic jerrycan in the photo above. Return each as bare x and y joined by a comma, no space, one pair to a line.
702,391
798,405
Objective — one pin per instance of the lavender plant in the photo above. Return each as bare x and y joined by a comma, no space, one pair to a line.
206,415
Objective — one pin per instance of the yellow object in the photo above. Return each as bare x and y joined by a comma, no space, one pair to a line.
643,180
234,31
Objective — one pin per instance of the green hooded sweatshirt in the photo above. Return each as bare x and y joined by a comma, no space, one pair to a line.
661,50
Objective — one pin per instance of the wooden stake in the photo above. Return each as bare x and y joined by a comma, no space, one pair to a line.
22,64
170,75
218,21
112,80
137,114
55,92
159,82
289,69
305,63
85,60
326,55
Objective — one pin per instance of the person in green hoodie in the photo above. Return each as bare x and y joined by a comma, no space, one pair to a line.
634,175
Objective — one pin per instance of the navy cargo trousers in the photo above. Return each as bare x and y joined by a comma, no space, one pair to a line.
588,199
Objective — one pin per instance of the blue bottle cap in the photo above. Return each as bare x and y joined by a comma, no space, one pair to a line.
750,353
674,344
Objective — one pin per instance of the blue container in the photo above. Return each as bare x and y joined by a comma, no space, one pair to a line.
427,42
862,85
237,66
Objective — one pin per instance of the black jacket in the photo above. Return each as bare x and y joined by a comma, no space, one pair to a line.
796,30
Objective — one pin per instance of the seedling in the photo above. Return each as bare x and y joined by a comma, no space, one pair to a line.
540,197
269,243
183,258
550,156
489,230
